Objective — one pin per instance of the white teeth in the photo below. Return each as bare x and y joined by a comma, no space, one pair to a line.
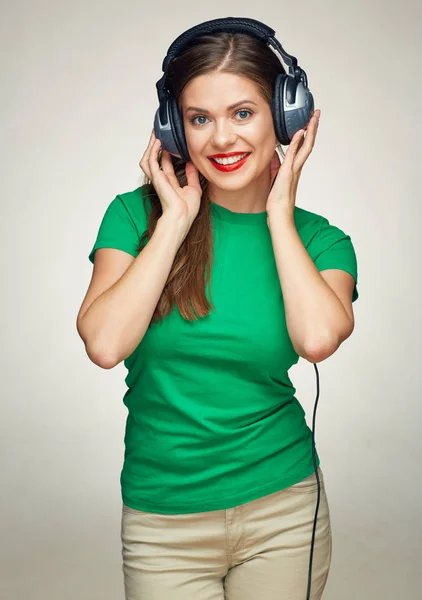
231,160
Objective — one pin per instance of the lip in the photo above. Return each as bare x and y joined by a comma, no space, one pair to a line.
226,155
228,168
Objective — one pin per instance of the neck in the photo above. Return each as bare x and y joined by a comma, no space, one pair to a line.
250,199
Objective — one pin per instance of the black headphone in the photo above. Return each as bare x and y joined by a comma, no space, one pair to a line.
292,103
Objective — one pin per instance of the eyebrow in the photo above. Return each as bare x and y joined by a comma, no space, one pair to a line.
231,107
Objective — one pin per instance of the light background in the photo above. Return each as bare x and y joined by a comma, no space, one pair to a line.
77,105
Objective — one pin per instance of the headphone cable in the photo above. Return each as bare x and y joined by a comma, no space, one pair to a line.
308,595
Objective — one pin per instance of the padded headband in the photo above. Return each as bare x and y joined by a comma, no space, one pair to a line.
226,25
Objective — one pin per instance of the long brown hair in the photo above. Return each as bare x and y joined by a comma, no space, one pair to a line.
239,54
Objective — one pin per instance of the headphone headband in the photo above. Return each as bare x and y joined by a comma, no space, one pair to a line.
228,25
291,105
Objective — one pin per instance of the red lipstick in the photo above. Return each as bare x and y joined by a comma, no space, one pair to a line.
226,155
228,168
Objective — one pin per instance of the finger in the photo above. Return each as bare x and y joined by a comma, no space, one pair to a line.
143,163
309,142
315,115
159,179
151,142
302,143
192,176
153,163
144,166
294,145
167,166
144,160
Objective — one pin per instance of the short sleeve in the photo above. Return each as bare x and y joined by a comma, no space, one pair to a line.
332,248
117,230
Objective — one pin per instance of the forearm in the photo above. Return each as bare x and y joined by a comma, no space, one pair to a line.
314,314
117,320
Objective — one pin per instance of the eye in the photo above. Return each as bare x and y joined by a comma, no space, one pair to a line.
197,117
243,110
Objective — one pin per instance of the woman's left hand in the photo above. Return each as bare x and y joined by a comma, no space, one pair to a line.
286,175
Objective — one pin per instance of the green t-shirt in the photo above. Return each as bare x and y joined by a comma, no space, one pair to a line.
213,421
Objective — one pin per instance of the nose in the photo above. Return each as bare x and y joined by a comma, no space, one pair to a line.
223,134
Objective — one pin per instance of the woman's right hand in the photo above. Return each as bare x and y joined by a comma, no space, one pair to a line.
181,204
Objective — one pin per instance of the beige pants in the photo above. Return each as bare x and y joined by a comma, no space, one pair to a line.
256,551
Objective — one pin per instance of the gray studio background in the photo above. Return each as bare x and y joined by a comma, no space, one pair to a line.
77,106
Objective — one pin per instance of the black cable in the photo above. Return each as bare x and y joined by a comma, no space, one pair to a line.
308,595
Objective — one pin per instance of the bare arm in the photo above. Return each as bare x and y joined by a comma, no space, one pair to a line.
316,319
124,291
113,322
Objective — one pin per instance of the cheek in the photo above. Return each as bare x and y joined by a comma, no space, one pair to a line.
193,142
266,156
270,137
195,148
265,139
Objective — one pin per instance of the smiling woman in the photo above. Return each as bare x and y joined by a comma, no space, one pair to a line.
215,80
210,283
227,127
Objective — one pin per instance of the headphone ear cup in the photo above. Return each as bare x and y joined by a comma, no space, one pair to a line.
277,109
289,91
178,129
163,129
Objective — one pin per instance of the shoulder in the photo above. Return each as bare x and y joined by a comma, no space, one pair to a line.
134,205
308,223
311,223
303,217
329,246
124,222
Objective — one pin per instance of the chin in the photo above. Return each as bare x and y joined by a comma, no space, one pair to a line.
231,185
230,181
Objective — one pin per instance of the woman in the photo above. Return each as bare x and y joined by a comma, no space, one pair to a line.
209,283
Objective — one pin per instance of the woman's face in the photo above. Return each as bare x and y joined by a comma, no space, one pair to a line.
214,126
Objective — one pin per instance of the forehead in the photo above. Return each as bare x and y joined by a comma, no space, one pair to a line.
218,89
